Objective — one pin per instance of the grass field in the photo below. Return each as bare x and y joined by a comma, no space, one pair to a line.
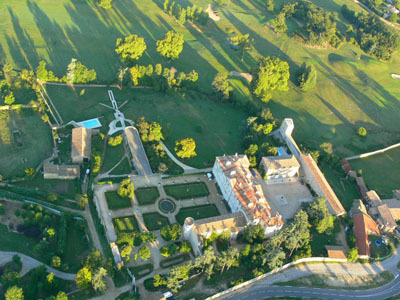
381,172
155,221
147,196
197,212
115,201
187,190
350,92
36,141
126,224
112,157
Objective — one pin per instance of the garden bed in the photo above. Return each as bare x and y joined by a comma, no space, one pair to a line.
197,212
187,190
173,261
155,221
142,271
125,224
147,196
115,201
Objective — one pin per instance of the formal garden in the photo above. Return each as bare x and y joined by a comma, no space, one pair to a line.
187,190
115,201
147,196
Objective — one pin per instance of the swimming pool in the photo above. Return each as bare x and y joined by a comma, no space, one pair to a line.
281,151
93,123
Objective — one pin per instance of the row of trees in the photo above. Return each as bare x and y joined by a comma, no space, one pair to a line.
190,13
76,73
371,34
132,47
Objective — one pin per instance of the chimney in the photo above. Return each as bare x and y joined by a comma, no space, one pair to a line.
228,163
233,172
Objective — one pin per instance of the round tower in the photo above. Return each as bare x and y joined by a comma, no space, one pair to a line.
187,227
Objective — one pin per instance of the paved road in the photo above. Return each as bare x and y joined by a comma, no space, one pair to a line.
261,291
139,156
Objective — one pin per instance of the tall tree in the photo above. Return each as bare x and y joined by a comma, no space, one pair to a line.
130,48
297,233
221,85
171,46
319,215
106,4
14,293
83,278
279,23
274,258
98,282
185,148
243,42
126,188
270,74
270,5
78,73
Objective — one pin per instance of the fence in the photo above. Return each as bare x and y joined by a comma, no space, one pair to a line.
264,276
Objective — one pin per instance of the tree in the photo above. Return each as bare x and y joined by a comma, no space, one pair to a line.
320,216
171,46
393,18
243,42
227,259
169,250
144,252
131,48
55,261
126,188
270,74
362,131
29,172
274,258
185,148
98,280
43,74
126,250
175,275
14,293
106,4
308,77
171,232
115,141
279,23
61,296
78,73
185,247
297,233
270,5
221,85
83,278
9,99
159,280
82,200
352,255
253,234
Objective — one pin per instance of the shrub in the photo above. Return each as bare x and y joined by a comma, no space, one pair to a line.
144,252
362,131
126,188
171,232
115,141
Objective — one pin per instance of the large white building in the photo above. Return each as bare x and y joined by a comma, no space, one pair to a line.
243,193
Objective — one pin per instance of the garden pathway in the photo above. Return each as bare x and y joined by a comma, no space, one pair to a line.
29,263
182,165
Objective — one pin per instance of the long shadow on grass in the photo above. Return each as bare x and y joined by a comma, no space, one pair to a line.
362,100
24,40
262,45
54,38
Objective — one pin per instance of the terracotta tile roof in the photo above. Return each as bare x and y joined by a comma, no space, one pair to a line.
362,188
329,194
385,217
81,142
345,165
394,207
247,190
364,225
234,222
336,252
280,161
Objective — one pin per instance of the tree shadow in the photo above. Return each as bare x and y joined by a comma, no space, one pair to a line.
25,41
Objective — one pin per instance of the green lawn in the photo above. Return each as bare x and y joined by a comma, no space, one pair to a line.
36,141
115,201
123,168
187,190
378,252
126,224
320,240
155,221
197,212
141,271
381,172
350,92
146,196
113,155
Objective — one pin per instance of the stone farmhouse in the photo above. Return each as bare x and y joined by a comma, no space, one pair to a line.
81,145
